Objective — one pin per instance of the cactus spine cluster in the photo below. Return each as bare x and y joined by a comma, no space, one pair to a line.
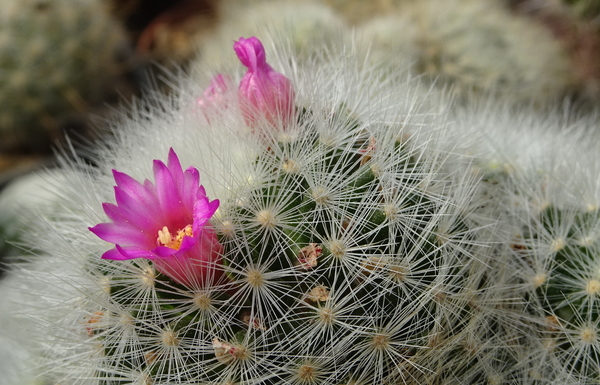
557,240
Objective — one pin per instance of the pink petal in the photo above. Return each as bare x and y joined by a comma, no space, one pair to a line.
175,169
134,189
164,251
127,217
121,234
251,53
134,252
191,181
187,243
114,254
151,189
171,203
113,212
203,211
142,216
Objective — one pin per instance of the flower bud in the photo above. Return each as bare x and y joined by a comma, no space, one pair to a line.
265,95
214,97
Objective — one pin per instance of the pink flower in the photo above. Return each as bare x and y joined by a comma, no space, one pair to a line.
215,95
167,223
264,94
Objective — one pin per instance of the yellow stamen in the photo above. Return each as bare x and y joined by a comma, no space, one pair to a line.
165,238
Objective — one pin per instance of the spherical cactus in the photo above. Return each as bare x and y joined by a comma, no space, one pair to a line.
558,237
55,60
338,242
558,243
474,45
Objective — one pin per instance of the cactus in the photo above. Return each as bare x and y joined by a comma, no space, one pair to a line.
17,361
568,284
558,238
476,46
55,59
543,181
350,245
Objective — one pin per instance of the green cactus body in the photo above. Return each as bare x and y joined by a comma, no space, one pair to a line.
355,246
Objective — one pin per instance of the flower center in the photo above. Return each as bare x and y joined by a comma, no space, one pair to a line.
173,241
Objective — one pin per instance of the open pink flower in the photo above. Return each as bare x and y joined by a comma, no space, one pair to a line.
264,94
167,222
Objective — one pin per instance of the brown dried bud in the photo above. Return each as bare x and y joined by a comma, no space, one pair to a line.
92,321
368,151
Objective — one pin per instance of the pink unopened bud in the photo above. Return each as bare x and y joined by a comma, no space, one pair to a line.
214,96
265,94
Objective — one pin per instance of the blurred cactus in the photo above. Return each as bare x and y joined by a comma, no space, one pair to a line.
32,194
542,182
56,58
475,46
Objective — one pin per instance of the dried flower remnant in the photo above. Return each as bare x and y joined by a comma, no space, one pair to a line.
227,353
166,221
309,255
318,294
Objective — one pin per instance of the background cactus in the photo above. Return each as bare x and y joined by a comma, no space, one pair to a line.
476,46
33,194
561,242
56,58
